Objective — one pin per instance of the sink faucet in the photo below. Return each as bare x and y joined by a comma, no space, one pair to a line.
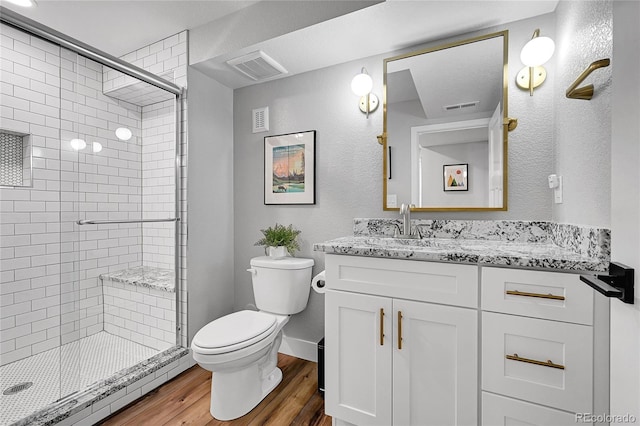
405,211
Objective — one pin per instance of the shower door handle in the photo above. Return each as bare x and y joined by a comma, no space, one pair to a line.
111,222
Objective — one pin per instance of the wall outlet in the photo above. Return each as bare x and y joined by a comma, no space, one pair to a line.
392,200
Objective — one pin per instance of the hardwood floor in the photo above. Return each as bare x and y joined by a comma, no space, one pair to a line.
185,401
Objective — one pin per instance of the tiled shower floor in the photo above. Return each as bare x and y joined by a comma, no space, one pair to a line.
63,370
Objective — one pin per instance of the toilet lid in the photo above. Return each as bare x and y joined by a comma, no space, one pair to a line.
235,328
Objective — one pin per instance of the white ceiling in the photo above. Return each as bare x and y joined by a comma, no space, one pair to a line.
118,27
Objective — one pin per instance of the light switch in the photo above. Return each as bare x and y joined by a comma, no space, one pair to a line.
557,191
392,200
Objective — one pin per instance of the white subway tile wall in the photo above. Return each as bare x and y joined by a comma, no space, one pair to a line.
49,290
158,183
168,57
95,185
30,259
161,58
141,314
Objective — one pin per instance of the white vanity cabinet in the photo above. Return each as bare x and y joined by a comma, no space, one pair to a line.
401,342
544,347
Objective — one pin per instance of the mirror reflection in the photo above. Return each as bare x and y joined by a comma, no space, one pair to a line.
445,139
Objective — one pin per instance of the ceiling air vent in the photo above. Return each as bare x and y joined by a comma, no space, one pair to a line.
462,106
257,66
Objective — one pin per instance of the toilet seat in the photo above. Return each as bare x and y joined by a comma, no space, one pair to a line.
234,332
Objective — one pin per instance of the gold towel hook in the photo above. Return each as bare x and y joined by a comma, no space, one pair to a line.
586,92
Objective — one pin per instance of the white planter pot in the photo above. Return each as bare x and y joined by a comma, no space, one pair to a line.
277,252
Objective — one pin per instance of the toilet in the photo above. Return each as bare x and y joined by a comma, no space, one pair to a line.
241,348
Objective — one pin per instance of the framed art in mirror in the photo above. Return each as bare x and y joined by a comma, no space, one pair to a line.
443,106
454,177
289,168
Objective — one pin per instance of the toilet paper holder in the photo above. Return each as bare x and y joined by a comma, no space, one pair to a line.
318,282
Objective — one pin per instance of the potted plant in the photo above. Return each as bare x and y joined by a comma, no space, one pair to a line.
278,240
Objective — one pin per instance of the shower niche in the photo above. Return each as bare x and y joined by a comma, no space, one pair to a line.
15,159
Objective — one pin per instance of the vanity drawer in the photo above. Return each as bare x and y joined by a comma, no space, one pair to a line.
446,283
548,295
499,410
510,347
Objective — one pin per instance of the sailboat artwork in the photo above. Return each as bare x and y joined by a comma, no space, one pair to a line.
455,177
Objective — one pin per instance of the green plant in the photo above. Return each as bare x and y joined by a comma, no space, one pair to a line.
280,235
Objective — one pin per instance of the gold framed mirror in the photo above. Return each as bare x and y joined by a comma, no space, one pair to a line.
445,126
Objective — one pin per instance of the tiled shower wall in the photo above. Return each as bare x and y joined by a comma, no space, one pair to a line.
49,290
49,287
103,185
158,183
30,287
167,57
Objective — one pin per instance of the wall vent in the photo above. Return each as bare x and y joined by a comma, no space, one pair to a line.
261,120
257,66
461,106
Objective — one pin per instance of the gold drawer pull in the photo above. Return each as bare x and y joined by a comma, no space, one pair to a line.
548,363
381,326
540,295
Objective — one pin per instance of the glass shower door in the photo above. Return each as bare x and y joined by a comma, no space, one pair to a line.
121,219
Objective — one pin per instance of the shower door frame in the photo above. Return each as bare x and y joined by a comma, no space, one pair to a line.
32,27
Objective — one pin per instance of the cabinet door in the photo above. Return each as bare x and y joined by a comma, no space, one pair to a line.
358,358
435,371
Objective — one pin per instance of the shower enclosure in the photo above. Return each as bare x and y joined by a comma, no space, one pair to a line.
89,217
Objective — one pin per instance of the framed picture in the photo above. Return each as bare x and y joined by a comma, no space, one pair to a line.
289,168
454,177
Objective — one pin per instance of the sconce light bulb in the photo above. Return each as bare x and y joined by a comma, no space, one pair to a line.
362,84
96,146
537,51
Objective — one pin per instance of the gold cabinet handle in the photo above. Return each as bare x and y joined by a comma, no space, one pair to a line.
399,329
381,326
539,295
547,363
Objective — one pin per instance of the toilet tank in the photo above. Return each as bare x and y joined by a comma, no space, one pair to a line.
281,286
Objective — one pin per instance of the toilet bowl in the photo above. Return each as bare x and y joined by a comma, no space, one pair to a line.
241,349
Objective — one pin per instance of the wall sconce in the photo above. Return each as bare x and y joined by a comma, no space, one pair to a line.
361,85
536,52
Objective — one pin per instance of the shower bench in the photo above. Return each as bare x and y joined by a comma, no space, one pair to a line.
140,305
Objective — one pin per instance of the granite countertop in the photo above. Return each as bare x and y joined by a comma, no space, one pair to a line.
518,244
144,276
483,252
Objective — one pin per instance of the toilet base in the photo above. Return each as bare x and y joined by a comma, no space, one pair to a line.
235,394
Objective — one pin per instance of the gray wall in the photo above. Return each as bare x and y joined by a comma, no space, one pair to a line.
348,171
582,148
349,161
210,194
